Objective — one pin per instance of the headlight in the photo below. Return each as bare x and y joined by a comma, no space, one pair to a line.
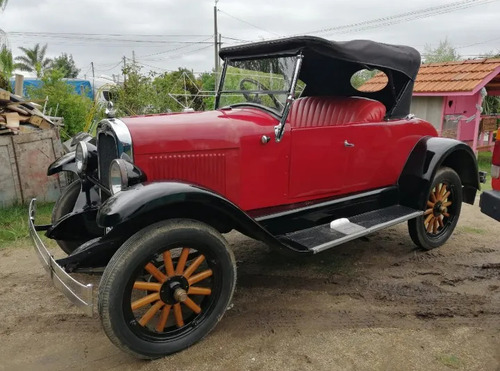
81,157
118,179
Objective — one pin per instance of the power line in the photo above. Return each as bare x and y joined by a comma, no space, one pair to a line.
248,23
402,17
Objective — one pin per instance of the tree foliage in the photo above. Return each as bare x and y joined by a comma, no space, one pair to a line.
172,91
6,67
63,101
444,52
33,60
66,65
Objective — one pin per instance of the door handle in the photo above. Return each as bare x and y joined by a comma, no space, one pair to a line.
347,144
265,139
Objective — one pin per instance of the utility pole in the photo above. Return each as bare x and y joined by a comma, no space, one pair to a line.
133,57
216,54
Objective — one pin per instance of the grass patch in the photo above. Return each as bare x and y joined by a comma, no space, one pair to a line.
484,164
451,361
473,230
14,222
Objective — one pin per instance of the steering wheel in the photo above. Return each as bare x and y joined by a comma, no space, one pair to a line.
254,97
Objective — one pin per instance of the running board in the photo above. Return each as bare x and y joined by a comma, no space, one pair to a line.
328,235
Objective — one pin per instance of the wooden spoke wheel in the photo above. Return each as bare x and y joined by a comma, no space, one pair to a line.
166,288
436,215
441,212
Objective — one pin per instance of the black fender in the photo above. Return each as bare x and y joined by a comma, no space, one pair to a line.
77,225
143,204
63,163
428,155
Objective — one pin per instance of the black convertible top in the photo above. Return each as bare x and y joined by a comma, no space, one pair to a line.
329,65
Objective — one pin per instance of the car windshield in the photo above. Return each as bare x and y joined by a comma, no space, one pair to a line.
265,82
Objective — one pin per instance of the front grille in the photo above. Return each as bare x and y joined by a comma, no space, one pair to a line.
107,151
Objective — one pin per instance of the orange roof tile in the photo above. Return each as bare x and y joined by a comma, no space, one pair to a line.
458,76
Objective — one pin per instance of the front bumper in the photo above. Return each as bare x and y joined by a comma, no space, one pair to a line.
79,294
490,204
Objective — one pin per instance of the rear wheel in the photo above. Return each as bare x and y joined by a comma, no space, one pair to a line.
166,288
65,205
442,210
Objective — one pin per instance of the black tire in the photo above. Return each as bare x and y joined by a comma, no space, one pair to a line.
442,211
64,205
134,268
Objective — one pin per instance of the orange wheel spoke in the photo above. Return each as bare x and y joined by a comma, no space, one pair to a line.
193,290
428,211
145,300
440,221
149,286
199,277
429,226
151,313
194,265
163,318
443,191
446,204
437,192
178,315
155,272
182,261
169,265
430,204
192,305
428,219
446,195
433,196
446,214
435,226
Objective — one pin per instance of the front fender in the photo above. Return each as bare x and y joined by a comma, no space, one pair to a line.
144,204
428,155
63,163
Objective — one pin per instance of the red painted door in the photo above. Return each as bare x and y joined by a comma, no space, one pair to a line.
318,162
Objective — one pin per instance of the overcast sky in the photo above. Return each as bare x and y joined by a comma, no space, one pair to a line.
166,34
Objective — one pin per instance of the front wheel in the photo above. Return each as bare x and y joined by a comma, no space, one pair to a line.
166,288
64,205
436,225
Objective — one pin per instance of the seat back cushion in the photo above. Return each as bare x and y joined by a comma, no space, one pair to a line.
329,111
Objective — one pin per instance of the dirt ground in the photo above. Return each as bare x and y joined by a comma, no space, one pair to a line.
376,303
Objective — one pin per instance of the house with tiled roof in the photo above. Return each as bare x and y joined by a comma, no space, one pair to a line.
450,94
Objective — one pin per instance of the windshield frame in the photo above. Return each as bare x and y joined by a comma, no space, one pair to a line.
289,93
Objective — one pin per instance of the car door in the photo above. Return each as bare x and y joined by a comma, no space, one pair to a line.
317,162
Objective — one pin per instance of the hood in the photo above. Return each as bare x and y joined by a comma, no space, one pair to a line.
195,131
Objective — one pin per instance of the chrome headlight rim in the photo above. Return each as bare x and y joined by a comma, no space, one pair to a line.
118,176
81,157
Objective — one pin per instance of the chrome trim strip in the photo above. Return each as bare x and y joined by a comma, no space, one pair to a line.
366,231
122,135
79,294
322,204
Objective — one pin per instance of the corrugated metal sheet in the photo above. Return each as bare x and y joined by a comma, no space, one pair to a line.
460,76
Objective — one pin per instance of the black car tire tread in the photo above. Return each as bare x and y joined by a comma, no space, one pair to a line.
416,226
64,205
145,243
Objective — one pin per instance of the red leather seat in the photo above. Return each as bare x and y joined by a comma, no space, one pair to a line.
329,111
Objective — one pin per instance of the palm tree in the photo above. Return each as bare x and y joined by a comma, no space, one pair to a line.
34,60
3,4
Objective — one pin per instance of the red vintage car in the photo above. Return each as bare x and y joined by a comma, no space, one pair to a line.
293,155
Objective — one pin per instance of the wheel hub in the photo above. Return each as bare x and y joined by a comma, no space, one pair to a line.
174,290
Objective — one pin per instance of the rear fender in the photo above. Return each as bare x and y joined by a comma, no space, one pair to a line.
428,155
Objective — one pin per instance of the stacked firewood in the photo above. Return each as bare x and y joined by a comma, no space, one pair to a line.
18,116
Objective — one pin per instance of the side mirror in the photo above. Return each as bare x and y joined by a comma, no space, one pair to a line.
110,112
